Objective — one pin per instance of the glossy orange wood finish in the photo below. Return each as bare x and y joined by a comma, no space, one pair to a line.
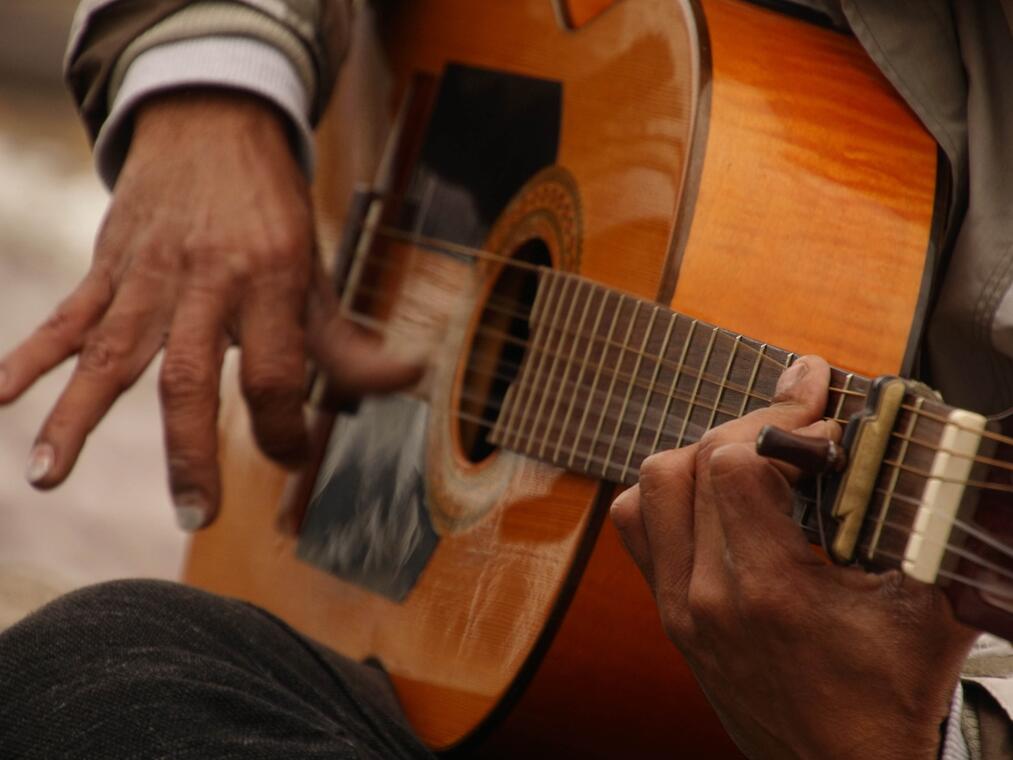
576,13
815,201
815,198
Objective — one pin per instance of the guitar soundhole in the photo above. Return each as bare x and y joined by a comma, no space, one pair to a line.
497,348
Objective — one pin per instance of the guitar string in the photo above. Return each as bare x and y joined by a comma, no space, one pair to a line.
477,253
964,526
639,451
970,556
732,413
592,343
956,550
496,403
959,578
437,245
503,307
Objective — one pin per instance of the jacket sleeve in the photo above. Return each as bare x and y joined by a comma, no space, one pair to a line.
108,35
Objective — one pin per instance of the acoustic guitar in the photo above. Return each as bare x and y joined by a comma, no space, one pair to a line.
599,221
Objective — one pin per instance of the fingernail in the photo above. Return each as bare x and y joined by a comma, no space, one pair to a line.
790,378
191,512
40,462
622,499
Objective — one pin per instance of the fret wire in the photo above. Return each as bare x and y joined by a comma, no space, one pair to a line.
491,306
630,387
569,366
721,385
696,389
580,380
552,370
541,334
650,392
377,324
597,373
386,231
897,436
752,379
504,309
479,254
675,382
612,385
521,385
888,496
844,390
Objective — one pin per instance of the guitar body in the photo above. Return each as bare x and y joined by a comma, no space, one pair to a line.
742,166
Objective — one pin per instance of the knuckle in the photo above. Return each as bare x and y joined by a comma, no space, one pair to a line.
59,323
288,243
103,355
655,470
707,603
275,384
674,620
711,441
185,380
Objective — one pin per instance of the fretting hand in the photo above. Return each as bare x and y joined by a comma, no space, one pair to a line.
208,241
801,659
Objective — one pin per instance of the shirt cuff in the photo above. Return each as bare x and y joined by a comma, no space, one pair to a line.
235,63
954,744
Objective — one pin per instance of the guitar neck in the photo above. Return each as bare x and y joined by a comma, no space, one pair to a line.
609,379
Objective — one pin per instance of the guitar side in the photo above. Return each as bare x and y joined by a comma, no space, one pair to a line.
706,231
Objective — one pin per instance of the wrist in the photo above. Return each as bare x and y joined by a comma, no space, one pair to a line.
206,114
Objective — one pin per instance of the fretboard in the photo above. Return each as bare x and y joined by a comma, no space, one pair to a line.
609,379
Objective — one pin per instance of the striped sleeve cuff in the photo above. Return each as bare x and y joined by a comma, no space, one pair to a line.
235,63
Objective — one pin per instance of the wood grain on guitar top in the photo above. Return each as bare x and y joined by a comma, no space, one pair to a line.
811,220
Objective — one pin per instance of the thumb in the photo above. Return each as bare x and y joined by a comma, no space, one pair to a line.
355,362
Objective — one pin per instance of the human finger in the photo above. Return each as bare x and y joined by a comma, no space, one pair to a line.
629,521
113,356
799,400
189,387
667,484
273,370
753,499
60,336
354,361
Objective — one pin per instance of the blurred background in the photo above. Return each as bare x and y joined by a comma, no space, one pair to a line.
112,517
